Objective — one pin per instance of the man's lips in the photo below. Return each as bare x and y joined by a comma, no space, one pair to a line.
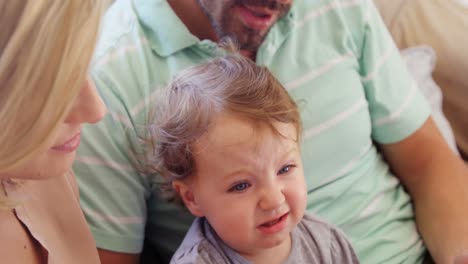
261,11
257,18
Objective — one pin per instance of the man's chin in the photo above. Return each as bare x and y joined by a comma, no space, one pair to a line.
252,44
249,47
246,40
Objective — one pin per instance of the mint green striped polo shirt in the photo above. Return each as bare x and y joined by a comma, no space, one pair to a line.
334,56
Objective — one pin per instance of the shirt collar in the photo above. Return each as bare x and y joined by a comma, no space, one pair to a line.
165,31
168,34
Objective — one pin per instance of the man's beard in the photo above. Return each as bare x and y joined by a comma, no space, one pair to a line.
247,39
270,4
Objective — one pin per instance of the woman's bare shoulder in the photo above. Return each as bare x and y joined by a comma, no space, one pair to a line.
16,245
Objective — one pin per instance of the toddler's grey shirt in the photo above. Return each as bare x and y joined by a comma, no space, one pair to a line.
313,241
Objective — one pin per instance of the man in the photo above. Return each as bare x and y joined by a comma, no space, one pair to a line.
442,25
361,114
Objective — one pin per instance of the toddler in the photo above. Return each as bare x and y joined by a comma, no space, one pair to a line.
226,140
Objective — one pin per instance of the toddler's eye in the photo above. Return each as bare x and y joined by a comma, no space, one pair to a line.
240,187
286,169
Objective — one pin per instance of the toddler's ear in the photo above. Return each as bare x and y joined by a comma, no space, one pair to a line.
185,192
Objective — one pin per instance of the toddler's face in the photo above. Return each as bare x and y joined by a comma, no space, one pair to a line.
249,183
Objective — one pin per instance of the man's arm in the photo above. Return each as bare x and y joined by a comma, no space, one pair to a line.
437,181
111,257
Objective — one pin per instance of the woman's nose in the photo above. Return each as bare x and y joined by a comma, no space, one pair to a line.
88,106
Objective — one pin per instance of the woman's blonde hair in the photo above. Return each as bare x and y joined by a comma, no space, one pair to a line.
45,49
231,84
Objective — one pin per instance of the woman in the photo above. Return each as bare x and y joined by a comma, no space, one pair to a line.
45,49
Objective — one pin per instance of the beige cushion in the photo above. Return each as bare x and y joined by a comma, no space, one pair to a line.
443,25
420,61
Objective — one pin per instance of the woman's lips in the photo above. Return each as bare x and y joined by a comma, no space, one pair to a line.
255,18
274,225
69,145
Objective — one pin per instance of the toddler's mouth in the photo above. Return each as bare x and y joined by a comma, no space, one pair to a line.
275,221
